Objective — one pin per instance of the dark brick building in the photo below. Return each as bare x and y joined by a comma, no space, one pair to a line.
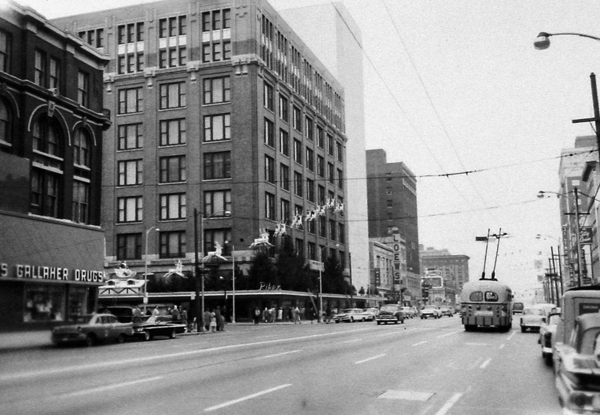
51,125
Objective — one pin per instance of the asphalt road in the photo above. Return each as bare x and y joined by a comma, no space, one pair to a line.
425,367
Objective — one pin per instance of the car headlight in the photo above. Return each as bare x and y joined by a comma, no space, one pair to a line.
596,402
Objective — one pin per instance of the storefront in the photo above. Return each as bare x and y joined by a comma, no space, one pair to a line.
49,271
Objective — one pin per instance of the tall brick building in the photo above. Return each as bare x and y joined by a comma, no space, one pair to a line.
218,106
392,204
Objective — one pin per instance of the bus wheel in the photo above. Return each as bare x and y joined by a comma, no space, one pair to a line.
469,327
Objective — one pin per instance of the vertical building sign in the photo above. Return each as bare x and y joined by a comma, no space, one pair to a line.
397,267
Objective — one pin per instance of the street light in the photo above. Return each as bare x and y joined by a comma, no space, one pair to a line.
543,42
200,306
321,283
146,268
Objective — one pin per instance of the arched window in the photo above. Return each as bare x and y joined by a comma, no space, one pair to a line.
47,136
81,148
6,124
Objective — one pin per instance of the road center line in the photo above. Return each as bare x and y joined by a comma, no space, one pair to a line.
449,334
511,334
501,346
369,359
108,387
277,355
484,364
420,343
352,341
245,398
449,404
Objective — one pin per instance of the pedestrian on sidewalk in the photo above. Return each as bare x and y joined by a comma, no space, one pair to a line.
296,315
213,321
256,315
206,322
220,320
184,320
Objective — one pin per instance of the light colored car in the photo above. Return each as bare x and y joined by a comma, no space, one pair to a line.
90,329
547,330
373,310
577,367
430,311
534,316
446,311
352,315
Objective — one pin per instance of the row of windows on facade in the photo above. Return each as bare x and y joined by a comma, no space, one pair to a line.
309,125
218,127
172,51
173,245
49,148
47,70
167,27
217,165
287,62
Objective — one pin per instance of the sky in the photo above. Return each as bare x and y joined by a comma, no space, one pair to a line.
457,86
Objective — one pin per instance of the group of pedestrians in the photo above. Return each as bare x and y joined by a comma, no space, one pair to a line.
271,315
214,320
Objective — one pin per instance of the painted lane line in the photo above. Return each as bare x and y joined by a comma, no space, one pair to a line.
109,387
137,360
277,355
511,335
449,404
245,398
369,359
420,343
449,334
475,344
352,341
501,346
484,364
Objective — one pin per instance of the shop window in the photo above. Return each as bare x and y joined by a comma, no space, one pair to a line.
44,303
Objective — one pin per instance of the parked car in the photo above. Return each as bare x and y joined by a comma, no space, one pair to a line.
390,313
352,315
577,367
90,329
533,316
547,330
147,327
430,311
446,311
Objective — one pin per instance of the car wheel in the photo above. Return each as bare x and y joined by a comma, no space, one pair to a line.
120,338
548,359
337,321
523,329
90,340
351,319
378,323
172,334
363,320
146,335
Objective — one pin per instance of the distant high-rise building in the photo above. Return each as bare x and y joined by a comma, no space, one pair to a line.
454,268
392,203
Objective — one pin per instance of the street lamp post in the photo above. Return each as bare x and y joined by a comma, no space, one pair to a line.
233,282
320,283
146,268
200,292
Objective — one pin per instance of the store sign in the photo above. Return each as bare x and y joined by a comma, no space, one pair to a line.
38,272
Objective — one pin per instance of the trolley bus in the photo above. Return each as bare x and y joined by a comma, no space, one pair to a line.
486,303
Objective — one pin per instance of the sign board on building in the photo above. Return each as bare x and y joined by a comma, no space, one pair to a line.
585,235
315,265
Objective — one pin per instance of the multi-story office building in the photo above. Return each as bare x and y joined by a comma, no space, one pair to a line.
454,268
392,203
218,107
381,261
51,123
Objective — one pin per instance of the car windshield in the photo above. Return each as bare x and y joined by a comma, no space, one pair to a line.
534,311
391,308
